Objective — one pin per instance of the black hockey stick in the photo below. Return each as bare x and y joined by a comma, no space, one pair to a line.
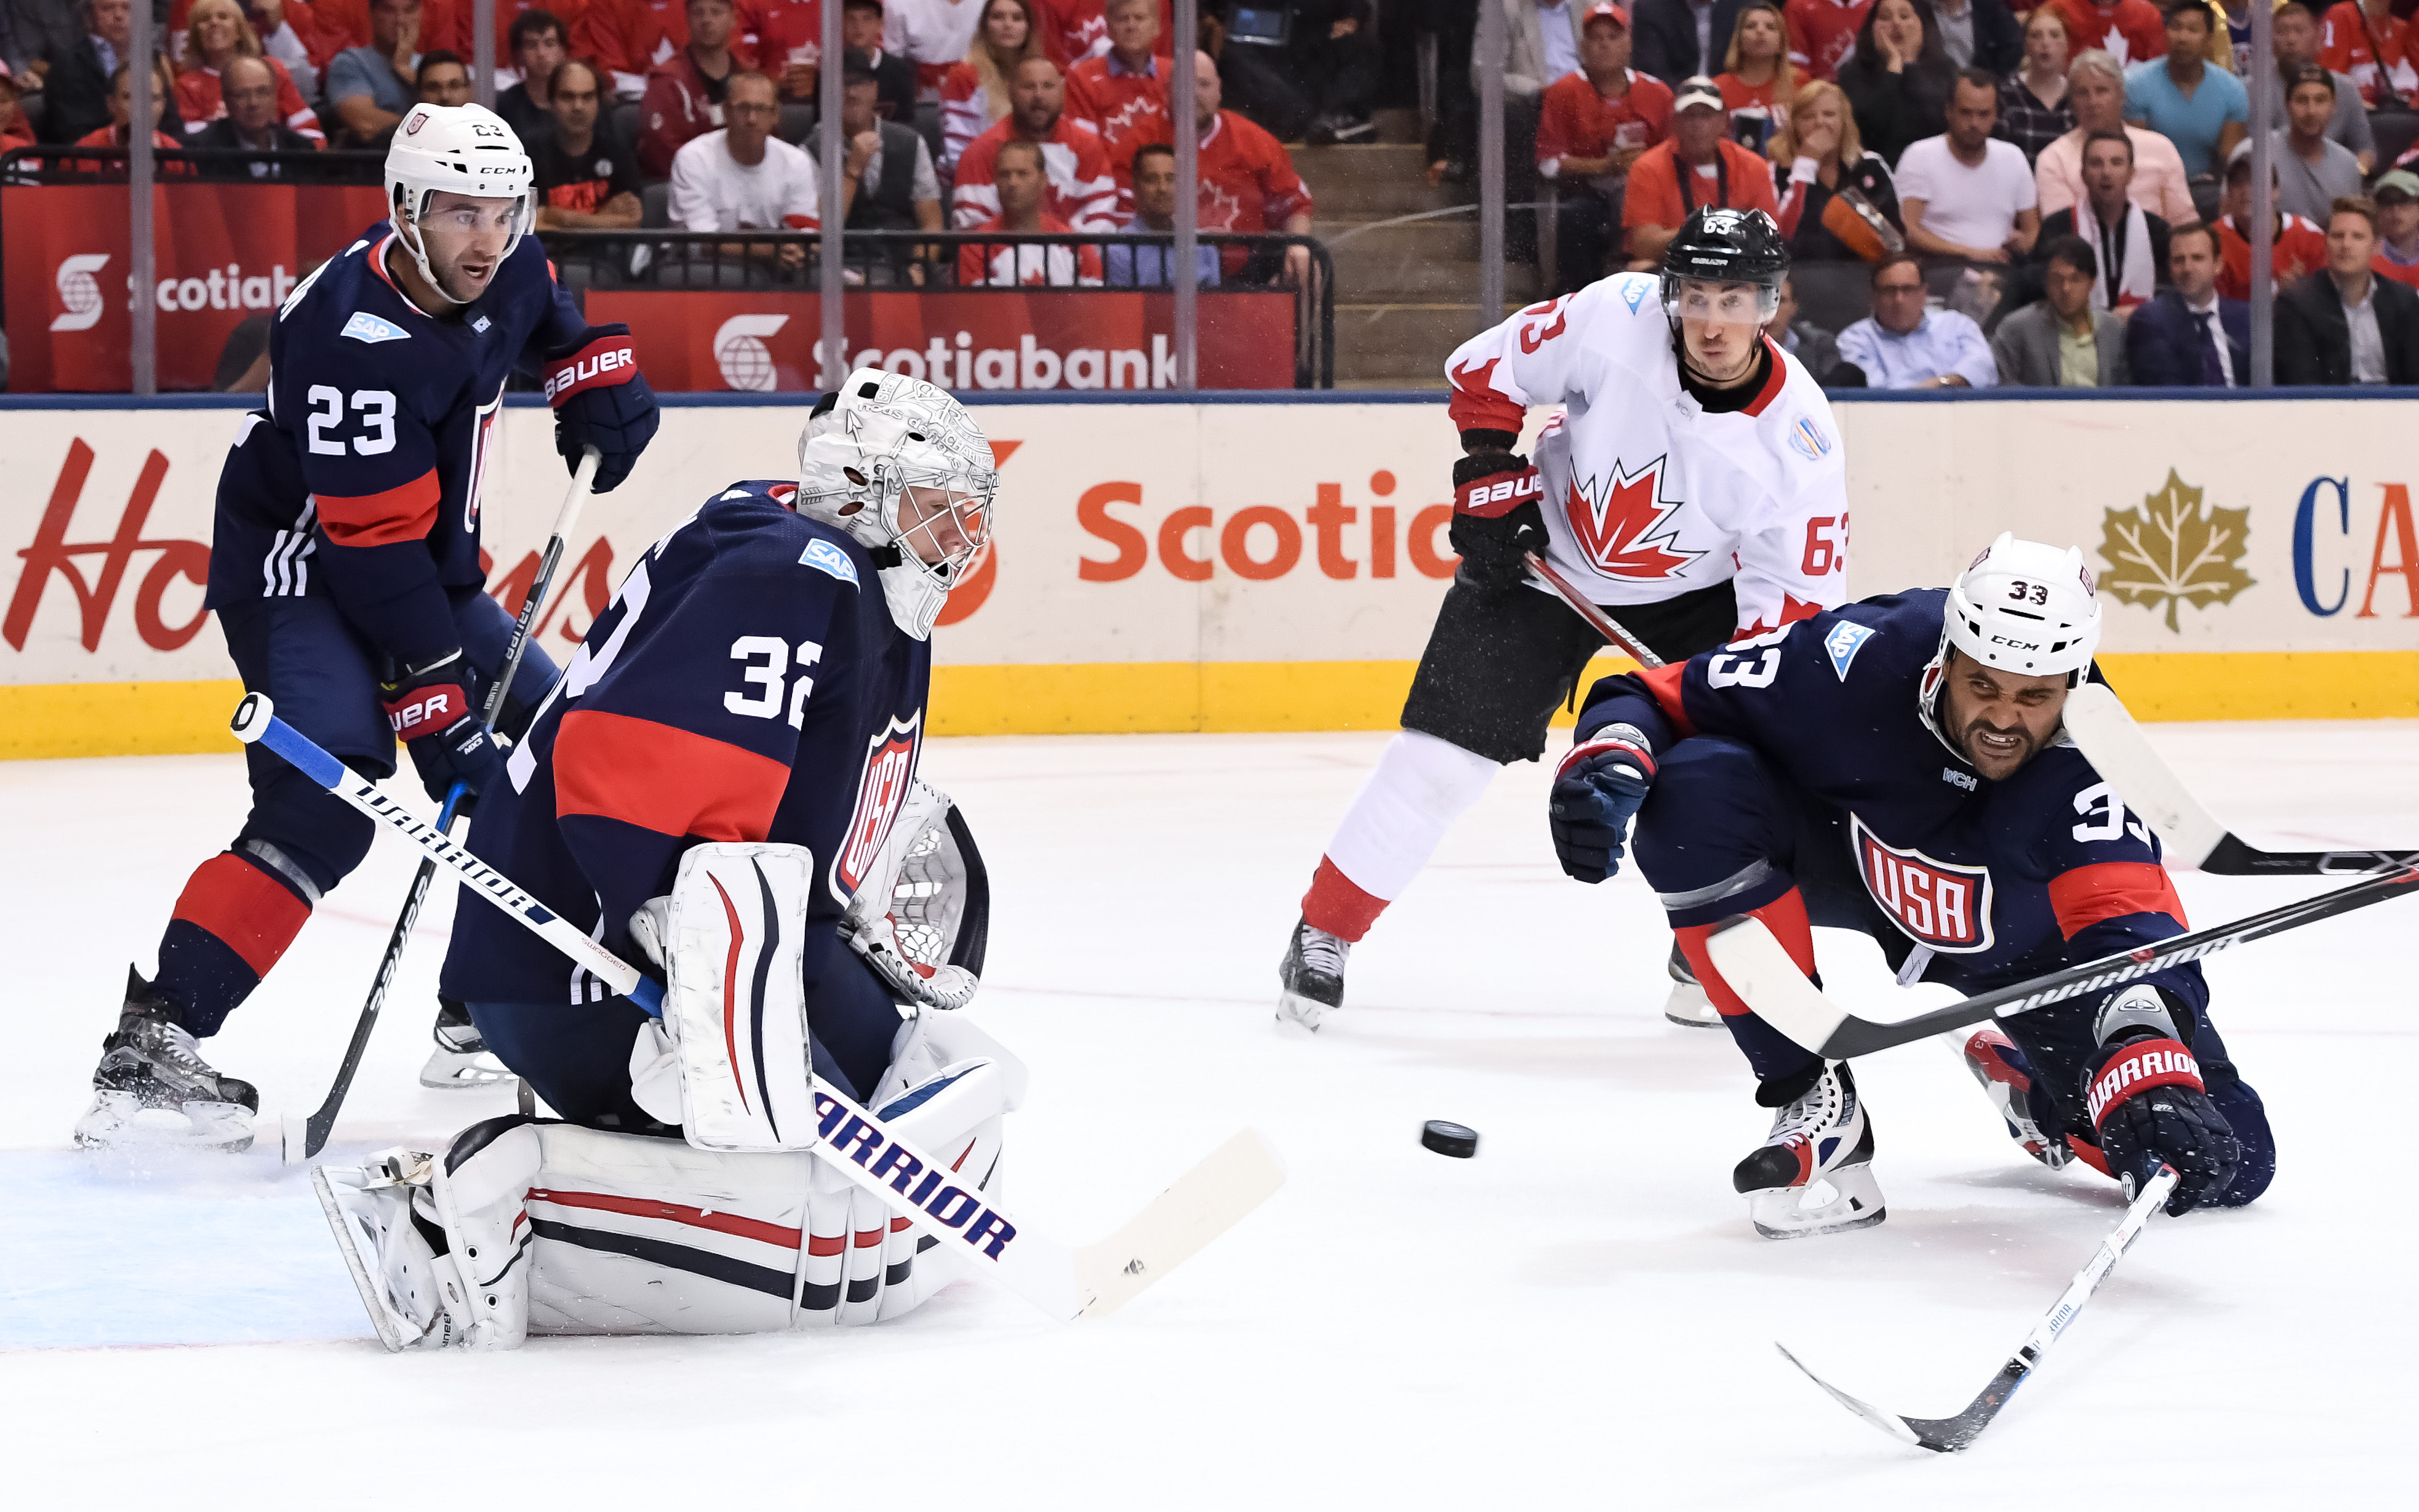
1761,972
2117,751
301,1139
1598,621
1947,1435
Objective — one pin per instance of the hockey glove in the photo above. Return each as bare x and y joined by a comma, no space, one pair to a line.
1596,792
1496,521
2149,1108
601,399
435,708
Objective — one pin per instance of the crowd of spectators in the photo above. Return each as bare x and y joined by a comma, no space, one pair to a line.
700,115
2020,185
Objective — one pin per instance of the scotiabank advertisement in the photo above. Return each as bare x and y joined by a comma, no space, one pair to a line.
1276,565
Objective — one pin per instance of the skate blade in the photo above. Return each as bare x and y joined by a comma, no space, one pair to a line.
1803,1212
1689,1008
1296,1012
119,1121
452,1070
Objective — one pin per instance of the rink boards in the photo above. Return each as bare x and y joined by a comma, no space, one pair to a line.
1274,562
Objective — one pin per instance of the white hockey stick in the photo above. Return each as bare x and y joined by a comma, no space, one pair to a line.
2193,836
1947,1435
1091,1281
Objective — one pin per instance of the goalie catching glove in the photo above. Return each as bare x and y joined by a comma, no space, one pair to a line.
922,916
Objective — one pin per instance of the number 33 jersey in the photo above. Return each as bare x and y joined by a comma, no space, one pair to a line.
361,480
746,683
1647,494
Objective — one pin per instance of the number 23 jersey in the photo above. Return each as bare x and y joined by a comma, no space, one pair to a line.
746,683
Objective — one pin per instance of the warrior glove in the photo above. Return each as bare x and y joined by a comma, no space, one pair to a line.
2150,1109
601,399
1596,792
433,708
1496,521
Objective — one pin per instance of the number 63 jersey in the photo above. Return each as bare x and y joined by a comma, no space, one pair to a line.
746,683
1647,494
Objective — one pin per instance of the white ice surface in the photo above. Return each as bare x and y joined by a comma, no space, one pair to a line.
1578,1318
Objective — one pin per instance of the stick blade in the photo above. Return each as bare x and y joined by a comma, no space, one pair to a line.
1204,1202
1889,1423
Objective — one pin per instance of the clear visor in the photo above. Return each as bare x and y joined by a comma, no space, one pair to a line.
944,525
1688,298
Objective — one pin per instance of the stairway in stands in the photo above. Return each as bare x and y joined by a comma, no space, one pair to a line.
1406,292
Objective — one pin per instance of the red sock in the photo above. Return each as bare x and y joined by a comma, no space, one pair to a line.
244,908
1334,904
1785,916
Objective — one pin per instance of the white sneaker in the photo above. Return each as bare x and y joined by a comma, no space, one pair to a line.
1813,1173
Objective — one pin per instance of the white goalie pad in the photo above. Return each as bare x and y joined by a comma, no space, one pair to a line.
922,916
734,999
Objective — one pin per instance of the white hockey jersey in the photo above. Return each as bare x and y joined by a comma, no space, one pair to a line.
1645,494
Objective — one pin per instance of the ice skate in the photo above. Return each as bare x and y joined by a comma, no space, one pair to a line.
461,1057
401,1279
152,1087
1687,1005
1813,1173
2006,1079
1312,975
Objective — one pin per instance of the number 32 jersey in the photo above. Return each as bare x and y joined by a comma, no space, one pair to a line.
746,683
1647,494
360,481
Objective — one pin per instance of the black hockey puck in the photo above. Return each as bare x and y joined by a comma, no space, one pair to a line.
1449,1139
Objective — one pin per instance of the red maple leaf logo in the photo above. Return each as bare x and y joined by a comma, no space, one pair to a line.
1793,609
1618,533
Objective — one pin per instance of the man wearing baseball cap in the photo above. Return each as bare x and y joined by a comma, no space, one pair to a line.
2398,226
1700,168
1592,126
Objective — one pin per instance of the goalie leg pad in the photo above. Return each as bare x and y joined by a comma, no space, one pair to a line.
734,1002
479,1190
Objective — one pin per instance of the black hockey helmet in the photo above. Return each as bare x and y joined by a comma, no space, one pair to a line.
1723,246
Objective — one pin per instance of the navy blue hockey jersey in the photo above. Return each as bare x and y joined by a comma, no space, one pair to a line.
361,480
2000,880
746,683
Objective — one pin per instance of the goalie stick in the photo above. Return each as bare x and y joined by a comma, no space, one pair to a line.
1947,1435
1598,621
1066,1283
2117,751
301,1138
1762,973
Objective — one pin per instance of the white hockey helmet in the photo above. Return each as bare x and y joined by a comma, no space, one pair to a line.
461,149
865,447
2025,607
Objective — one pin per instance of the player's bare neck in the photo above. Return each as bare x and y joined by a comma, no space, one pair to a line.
416,290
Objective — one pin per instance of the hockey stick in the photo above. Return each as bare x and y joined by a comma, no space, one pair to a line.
1763,974
1065,1284
1947,1435
2119,752
301,1139
1598,621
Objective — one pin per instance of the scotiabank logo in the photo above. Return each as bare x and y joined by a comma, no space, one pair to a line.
80,292
83,302
1259,542
1944,906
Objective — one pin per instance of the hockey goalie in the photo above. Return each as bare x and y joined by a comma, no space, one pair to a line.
722,783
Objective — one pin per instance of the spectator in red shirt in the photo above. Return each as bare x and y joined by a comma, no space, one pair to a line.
2301,246
1697,166
121,116
1072,30
2397,226
2375,48
15,131
215,36
1592,126
1247,184
1757,81
684,95
630,39
2130,31
1021,185
1082,192
784,38
1124,93
975,93
1822,34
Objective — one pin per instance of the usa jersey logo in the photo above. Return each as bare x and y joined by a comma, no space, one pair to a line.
1936,904
890,767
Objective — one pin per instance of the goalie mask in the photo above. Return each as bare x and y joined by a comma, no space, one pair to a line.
460,149
899,464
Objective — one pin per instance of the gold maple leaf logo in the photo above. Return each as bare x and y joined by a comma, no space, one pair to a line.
2174,550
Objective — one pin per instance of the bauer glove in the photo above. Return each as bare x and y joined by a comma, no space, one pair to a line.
1596,792
602,400
433,708
2149,1109
1496,521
